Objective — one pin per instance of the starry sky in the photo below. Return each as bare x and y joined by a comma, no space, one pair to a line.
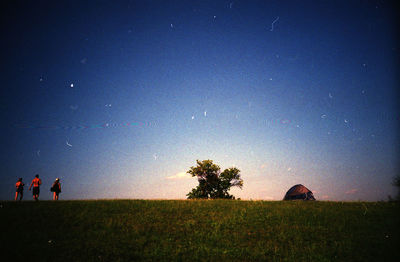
119,98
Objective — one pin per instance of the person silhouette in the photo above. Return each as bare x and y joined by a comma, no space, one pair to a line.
56,189
36,182
19,189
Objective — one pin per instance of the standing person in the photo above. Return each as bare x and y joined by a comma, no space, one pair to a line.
56,188
20,189
36,182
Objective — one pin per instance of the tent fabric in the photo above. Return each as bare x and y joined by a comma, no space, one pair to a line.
299,192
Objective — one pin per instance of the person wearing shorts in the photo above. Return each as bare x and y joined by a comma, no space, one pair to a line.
36,182
56,189
19,189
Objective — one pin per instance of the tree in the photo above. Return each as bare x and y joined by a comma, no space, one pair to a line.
212,183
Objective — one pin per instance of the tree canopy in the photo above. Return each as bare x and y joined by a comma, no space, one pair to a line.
212,183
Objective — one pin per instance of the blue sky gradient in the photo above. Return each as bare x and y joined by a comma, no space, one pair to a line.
120,99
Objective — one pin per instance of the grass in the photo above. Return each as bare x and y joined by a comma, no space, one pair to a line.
218,230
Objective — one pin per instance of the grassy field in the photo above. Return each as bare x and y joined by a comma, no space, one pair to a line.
219,230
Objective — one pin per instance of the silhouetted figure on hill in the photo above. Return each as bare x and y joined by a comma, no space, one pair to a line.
36,182
56,189
19,189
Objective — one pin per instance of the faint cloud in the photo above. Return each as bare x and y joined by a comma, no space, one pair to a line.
325,197
263,166
180,175
351,191
263,195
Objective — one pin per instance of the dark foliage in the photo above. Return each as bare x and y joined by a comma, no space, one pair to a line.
212,183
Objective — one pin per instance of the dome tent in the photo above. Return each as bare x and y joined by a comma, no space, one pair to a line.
299,192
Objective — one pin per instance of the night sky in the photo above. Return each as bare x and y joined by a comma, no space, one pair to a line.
119,98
